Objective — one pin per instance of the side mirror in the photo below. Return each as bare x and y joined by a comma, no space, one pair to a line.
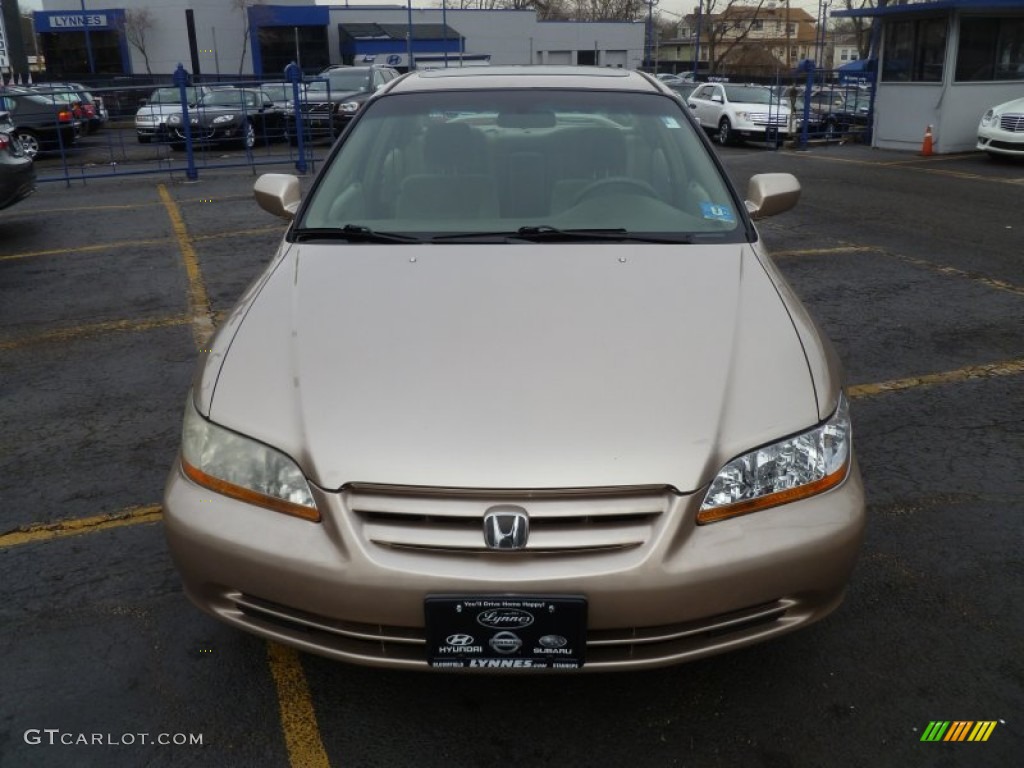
278,193
771,193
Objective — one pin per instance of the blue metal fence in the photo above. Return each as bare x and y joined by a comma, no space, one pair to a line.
125,147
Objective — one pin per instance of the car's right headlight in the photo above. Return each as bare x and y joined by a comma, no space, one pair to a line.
174,119
795,468
988,118
243,468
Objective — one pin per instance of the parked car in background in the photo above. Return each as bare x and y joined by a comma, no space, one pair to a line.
332,100
242,116
673,80
733,113
834,111
151,118
1001,130
521,390
39,124
17,174
93,114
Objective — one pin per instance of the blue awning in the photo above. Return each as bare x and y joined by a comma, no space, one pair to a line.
924,6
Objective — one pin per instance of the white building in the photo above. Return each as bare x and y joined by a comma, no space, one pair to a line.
262,38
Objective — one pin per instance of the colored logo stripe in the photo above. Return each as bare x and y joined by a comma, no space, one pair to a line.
935,731
958,730
982,731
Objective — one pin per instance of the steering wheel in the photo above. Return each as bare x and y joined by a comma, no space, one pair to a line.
611,185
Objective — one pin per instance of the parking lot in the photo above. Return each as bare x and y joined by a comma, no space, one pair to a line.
915,268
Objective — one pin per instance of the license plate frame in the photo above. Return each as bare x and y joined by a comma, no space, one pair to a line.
506,632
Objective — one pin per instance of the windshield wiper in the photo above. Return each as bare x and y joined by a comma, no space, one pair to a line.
352,233
545,233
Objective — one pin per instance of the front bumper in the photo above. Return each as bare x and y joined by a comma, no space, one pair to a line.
17,180
998,141
659,588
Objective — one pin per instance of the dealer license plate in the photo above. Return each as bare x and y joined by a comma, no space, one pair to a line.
506,632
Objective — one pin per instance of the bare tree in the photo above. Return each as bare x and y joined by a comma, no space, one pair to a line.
727,23
242,6
860,26
137,24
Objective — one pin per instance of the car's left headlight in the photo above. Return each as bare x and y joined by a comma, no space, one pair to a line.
173,119
795,468
988,118
243,468
348,107
221,119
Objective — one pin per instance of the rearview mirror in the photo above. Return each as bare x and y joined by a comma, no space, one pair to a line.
278,193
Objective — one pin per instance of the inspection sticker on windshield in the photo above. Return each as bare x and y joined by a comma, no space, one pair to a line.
669,121
717,212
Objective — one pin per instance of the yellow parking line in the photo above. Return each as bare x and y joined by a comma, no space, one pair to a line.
64,528
905,165
298,719
199,302
986,371
134,206
91,329
118,244
991,282
87,248
824,251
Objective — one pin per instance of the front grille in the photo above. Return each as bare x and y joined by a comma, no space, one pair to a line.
764,118
1012,122
560,522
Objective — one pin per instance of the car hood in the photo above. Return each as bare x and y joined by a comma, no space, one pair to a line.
508,366
159,110
1017,105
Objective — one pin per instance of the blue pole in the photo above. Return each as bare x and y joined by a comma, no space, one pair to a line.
293,75
444,24
181,80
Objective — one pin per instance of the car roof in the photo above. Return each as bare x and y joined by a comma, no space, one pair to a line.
583,78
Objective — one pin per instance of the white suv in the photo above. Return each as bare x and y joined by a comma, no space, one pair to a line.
735,112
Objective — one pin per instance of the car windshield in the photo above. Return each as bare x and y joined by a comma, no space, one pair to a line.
231,99
750,94
343,81
505,162
171,96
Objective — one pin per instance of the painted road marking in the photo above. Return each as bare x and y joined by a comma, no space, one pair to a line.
133,206
824,251
199,302
298,718
62,529
985,371
119,244
76,332
904,165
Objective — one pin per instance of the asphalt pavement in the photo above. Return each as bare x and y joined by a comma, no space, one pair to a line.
915,268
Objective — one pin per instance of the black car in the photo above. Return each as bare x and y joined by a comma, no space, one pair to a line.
17,175
242,116
92,112
835,112
39,124
333,99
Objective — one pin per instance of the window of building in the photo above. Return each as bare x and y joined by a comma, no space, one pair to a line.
844,55
914,51
990,49
757,25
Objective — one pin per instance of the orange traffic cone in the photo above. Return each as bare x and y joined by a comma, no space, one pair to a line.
926,145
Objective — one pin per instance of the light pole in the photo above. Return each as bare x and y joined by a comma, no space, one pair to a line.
408,35
696,45
88,42
650,32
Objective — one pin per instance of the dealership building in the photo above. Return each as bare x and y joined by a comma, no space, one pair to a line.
88,39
